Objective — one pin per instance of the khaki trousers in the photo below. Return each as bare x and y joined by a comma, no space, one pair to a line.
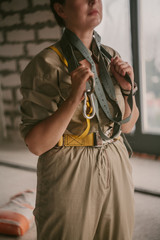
85,193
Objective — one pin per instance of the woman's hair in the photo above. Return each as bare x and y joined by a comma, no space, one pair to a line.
59,20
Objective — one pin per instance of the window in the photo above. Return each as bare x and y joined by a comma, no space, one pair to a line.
115,27
149,41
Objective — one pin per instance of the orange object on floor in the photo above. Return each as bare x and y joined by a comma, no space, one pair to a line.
16,217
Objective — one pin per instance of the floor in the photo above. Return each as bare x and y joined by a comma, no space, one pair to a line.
146,174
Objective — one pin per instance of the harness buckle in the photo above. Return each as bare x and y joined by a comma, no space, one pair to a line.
108,133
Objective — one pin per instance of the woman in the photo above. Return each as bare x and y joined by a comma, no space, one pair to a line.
83,192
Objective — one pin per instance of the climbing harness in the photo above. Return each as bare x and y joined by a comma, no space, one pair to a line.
97,92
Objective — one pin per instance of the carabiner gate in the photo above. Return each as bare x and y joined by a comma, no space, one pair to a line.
92,84
88,104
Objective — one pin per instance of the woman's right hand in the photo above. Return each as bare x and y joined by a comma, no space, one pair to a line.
79,77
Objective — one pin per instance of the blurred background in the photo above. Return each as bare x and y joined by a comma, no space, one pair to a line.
130,27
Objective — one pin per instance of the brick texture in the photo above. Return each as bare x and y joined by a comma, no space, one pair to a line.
11,50
9,20
14,5
49,33
26,28
37,2
7,95
11,80
9,65
20,35
36,17
1,37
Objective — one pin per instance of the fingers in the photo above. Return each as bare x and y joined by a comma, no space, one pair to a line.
120,66
82,73
78,69
79,77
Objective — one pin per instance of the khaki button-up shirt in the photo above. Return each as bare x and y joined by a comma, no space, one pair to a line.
46,83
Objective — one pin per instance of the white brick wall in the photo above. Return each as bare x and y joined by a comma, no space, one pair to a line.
9,107
8,121
11,80
20,35
26,28
49,33
38,2
38,17
7,94
14,5
9,20
9,65
1,37
11,50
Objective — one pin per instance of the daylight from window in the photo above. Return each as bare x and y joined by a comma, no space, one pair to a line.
149,35
115,32
115,27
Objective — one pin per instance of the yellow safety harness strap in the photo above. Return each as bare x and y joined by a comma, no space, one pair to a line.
63,59
60,55
74,141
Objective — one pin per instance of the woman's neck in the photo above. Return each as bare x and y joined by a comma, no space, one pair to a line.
84,36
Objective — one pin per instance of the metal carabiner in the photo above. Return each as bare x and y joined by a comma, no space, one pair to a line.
88,98
92,84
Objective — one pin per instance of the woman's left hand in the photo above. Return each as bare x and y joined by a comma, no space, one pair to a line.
119,68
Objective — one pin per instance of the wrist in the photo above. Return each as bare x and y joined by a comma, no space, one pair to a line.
73,99
128,92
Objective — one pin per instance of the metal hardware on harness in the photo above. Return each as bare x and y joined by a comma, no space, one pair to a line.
92,86
101,142
88,97
88,100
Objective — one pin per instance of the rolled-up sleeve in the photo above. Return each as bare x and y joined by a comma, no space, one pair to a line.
40,91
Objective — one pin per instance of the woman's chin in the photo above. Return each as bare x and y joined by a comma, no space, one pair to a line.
95,23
